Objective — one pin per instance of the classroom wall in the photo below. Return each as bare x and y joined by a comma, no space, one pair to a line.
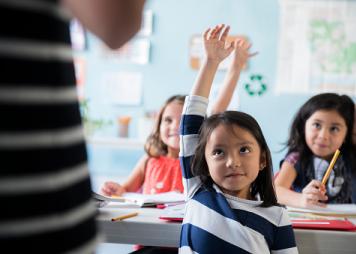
168,71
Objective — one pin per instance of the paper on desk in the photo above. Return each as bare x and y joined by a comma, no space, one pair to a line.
100,197
174,213
329,210
134,199
153,199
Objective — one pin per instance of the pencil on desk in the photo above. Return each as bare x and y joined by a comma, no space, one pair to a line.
126,216
118,198
331,165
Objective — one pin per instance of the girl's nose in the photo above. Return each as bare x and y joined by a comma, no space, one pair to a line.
323,133
175,125
233,162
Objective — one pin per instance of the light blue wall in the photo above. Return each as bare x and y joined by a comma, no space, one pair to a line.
168,71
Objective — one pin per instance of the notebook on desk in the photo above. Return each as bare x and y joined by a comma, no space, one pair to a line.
173,213
142,200
337,210
324,224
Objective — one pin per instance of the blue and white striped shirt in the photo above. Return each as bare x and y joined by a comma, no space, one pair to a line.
219,223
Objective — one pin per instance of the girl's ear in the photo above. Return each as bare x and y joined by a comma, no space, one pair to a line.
263,162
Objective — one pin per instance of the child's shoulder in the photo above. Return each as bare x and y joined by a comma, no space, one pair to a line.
292,158
276,215
162,161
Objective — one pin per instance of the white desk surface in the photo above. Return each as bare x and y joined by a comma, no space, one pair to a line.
147,229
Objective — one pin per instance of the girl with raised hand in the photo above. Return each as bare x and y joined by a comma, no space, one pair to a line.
158,170
227,169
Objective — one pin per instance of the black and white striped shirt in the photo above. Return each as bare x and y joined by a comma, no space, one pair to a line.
45,192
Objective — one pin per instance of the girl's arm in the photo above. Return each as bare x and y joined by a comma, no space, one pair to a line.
114,21
132,184
311,194
195,106
240,58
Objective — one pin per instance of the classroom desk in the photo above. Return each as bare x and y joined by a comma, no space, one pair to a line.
147,229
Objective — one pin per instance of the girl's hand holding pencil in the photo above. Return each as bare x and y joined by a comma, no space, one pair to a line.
315,192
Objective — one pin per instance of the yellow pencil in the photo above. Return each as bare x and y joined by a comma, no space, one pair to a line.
331,165
126,216
118,198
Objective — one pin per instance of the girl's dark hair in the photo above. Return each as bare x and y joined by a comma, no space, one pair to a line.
342,104
154,145
263,184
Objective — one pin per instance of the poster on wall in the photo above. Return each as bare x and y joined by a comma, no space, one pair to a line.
136,51
317,47
196,52
215,89
123,87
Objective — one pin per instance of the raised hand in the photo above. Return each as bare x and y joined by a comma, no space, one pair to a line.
215,43
313,193
241,53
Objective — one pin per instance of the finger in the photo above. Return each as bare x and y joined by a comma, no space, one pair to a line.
206,33
316,193
230,47
236,42
241,42
225,33
312,190
312,197
322,188
214,32
314,203
321,204
109,185
315,183
105,191
253,54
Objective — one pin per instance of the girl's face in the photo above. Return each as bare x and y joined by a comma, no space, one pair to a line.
169,129
325,131
234,159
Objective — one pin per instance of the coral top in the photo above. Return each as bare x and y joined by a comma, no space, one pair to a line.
162,174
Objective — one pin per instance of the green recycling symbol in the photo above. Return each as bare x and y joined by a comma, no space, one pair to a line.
256,86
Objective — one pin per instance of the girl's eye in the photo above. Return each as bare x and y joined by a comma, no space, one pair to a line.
244,149
167,120
334,129
218,152
316,125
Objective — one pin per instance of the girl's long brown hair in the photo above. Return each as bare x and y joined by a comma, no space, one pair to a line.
154,145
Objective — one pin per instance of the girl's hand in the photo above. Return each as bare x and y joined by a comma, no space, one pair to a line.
241,54
112,189
313,193
214,43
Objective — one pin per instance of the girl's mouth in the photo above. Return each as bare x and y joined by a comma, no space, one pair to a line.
235,175
322,145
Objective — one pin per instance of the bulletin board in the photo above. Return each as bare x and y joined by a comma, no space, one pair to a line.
317,47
